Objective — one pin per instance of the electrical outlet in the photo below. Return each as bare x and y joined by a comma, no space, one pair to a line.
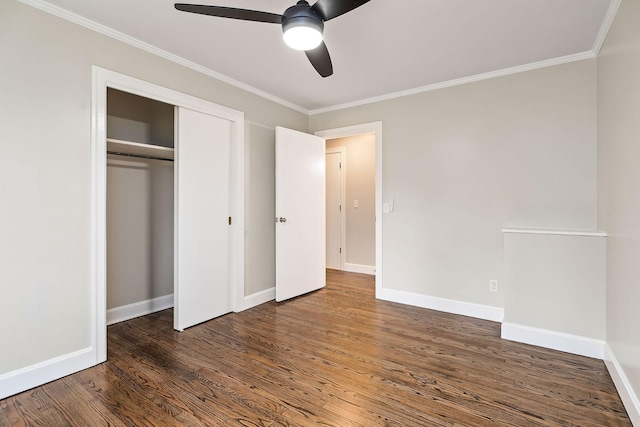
493,285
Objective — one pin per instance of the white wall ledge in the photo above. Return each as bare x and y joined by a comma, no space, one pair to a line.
555,231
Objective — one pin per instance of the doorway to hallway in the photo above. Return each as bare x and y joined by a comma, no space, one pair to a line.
371,265
351,214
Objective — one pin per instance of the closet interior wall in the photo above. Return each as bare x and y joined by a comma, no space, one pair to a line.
139,207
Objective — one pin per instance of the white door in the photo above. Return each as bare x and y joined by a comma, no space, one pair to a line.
300,213
335,209
202,287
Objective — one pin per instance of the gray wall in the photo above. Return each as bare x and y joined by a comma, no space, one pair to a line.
359,185
619,185
45,134
463,162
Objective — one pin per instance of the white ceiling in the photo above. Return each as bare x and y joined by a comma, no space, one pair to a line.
382,48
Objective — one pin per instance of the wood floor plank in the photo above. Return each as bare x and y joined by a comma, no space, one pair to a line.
335,357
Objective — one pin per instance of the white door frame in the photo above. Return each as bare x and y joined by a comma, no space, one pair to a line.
368,128
343,219
101,80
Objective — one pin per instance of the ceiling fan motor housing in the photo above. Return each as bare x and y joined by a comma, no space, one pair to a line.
301,15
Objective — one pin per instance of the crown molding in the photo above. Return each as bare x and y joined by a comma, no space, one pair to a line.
132,41
457,82
606,25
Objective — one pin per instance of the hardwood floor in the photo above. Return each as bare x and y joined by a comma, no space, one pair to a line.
336,357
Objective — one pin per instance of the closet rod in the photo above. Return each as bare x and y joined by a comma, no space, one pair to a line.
140,156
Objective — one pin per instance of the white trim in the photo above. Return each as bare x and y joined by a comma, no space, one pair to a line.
101,80
363,129
117,35
569,343
237,204
98,169
494,314
343,194
258,298
137,309
360,268
606,26
457,82
41,373
625,390
555,231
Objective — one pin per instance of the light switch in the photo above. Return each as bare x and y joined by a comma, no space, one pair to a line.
385,208
355,204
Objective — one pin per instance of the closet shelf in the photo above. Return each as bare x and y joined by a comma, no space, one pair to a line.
139,149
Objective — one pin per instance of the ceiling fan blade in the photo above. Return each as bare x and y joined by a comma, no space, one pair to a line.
231,12
320,59
329,9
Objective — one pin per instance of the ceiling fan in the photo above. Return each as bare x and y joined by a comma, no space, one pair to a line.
302,24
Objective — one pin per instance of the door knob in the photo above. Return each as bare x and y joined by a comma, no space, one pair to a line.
282,219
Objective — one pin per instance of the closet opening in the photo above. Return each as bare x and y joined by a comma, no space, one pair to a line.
139,206
196,262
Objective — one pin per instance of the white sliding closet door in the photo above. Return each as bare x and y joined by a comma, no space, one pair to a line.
202,288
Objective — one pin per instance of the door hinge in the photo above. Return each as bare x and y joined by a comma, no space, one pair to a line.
229,220
340,250
340,208
340,165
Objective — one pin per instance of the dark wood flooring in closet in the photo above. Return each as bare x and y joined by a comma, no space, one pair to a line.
336,357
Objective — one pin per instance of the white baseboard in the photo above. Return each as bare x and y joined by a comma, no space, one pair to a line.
561,341
142,308
258,298
23,379
359,268
625,390
485,312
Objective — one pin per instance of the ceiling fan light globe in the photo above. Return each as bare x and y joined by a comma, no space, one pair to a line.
302,37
